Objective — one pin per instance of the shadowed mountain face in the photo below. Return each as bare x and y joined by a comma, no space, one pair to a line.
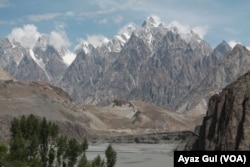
227,122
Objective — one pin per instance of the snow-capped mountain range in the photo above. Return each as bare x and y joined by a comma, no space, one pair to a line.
153,62
151,27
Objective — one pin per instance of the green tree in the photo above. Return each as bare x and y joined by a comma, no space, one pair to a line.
15,128
61,144
18,151
51,156
35,143
83,161
110,156
3,153
84,145
73,151
98,162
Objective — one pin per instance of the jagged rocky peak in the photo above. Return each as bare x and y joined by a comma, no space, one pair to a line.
121,38
42,42
222,48
152,21
239,47
227,122
126,32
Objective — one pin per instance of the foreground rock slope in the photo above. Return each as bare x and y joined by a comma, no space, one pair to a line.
42,100
19,98
226,125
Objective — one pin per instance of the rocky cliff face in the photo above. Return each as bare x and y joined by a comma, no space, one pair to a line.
232,65
155,64
226,125
41,63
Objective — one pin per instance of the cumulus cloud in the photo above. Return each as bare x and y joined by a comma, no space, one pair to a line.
97,40
201,30
58,37
232,43
156,19
181,27
185,29
27,35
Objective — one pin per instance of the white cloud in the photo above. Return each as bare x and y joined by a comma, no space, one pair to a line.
185,29
97,40
41,17
27,35
118,19
58,37
103,21
70,14
232,43
5,4
200,30
156,19
180,27
49,16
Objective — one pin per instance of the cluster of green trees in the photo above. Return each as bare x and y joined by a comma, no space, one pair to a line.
37,143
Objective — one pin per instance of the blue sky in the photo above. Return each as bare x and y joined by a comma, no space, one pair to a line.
79,19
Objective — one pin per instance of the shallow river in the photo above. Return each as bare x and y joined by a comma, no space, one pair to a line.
137,155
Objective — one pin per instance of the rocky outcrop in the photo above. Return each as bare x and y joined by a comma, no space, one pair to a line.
226,125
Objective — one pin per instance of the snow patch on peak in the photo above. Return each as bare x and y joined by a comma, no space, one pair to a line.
83,45
39,62
68,57
127,31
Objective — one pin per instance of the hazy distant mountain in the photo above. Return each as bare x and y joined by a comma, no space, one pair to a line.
41,63
232,65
